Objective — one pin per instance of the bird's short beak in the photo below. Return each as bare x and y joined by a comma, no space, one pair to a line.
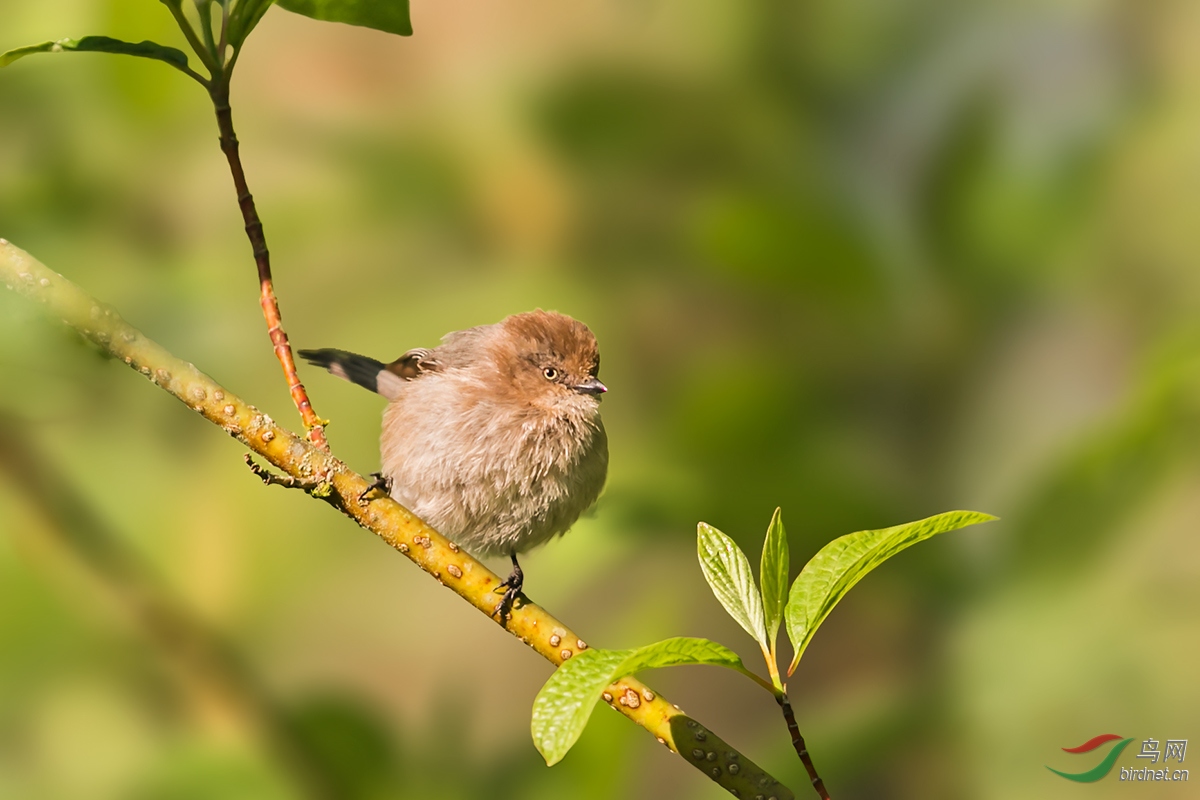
591,386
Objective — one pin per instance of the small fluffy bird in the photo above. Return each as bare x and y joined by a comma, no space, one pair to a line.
494,436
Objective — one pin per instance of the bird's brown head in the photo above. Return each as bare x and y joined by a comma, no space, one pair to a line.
550,357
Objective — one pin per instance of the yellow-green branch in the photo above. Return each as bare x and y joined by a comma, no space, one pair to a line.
397,526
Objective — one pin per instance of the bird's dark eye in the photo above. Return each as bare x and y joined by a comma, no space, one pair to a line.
550,373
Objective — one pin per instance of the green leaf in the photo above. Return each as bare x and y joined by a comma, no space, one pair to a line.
845,561
243,18
390,16
676,651
563,706
101,44
773,574
727,571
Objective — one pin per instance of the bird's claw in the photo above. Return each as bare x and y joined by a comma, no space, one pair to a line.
512,590
503,609
380,482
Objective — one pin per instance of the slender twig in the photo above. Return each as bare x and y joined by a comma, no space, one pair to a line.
271,479
396,525
212,55
219,90
210,661
789,716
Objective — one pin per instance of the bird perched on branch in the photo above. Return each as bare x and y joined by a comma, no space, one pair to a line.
494,436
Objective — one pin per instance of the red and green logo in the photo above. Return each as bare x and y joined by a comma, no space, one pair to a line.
1106,764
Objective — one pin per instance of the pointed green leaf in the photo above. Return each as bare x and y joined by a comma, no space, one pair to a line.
727,571
676,651
845,561
773,575
10,56
563,706
244,16
101,44
390,16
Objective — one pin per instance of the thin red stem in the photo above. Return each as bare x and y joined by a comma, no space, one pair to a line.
262,258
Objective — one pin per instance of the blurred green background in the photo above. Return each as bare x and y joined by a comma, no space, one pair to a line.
864,260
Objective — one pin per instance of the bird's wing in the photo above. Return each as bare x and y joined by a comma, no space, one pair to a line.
414,364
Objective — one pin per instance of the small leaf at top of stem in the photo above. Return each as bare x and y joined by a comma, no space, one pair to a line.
773,575
845,561
727,571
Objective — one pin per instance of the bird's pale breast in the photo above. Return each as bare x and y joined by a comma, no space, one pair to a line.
494,474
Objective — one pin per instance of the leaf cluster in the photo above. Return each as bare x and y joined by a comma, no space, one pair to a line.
563,706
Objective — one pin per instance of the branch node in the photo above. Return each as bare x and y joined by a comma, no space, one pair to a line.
316,488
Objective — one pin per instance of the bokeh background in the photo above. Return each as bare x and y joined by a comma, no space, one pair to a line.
864,260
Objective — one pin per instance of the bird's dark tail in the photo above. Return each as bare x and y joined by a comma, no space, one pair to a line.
351,366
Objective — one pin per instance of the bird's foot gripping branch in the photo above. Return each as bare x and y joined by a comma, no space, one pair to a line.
318,472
